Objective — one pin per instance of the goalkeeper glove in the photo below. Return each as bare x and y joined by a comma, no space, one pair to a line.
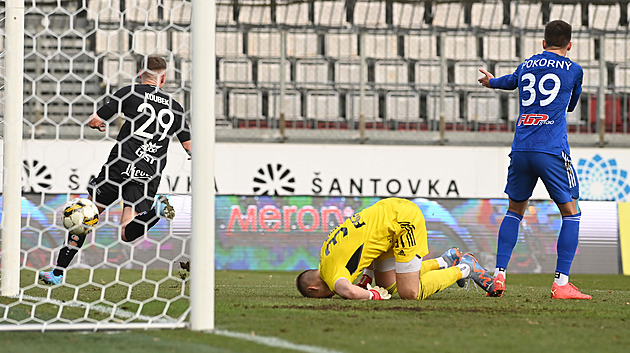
378,293
364,281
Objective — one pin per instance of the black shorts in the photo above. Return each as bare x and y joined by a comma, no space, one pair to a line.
137,194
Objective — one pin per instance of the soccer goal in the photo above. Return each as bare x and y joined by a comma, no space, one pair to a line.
60,61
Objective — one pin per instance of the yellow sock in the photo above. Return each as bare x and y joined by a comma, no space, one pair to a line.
429,265
392,289
434,281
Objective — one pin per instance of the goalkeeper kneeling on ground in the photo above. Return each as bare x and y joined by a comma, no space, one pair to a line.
386,242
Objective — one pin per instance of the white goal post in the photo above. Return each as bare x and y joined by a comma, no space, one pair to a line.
12,158
72,55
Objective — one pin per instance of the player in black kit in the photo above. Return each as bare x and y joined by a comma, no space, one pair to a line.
134,167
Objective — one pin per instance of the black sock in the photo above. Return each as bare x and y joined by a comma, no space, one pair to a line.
141,225
66,254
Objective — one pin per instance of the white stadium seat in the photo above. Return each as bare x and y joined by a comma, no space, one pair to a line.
391,74
370,107
402,106
245,104
342,45
370,14
263,43
235,72
381,46
312,73
228,43
408,15
428,74
483,107
420,46
330,13
348,73
451,107
292,105
323,106
269,72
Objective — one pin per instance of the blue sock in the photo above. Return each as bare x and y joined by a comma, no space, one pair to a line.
567,242
508,235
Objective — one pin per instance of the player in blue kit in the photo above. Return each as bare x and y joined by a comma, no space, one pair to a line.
549,85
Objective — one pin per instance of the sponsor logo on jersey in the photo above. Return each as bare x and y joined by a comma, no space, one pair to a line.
534,119
134,173
146,150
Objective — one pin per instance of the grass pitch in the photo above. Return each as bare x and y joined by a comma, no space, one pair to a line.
266,304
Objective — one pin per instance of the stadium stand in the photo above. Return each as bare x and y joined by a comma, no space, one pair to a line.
407,47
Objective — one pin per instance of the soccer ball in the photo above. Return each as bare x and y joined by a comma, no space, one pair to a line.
80,216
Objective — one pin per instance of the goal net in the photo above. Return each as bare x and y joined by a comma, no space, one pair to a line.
77,54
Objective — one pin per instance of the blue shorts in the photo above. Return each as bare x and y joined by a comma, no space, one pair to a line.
556,172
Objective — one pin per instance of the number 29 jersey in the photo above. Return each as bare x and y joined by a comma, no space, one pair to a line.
549,85
151,119
391,227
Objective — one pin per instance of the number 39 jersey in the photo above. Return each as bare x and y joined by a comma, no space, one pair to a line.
391,227
549,85
151,119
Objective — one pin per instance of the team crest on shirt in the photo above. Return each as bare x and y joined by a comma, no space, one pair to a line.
534,119
146,150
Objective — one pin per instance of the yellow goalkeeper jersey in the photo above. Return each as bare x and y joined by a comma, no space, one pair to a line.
390,227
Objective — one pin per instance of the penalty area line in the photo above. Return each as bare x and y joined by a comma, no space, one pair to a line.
273,342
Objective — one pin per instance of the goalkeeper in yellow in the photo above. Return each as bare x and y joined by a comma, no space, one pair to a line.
386,242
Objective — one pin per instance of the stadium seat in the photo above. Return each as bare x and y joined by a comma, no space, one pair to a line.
592,77
148,43
428,74
487,14
219,109
269,73
616,48
391,74
292,108
571,13
341,45
292,14
245,108
228,43
526,15
323,107
370,14
504,68
180,12
348,73
420,46
451,107
224,14
263,43
181,44
402,107
370,109
104,11
408,15
330,13
466,73
185,70
499,47
449,15
381,45
622,78
142,11
483,107
312,73
235,72
612,120
460,47
251,12
110,42
604,17
302,44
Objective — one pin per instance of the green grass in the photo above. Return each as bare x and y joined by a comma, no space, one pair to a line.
454,320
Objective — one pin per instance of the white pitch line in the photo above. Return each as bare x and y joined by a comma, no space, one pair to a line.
274,342
98,308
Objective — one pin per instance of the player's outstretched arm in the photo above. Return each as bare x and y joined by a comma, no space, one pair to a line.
485,80
347,290
96,123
